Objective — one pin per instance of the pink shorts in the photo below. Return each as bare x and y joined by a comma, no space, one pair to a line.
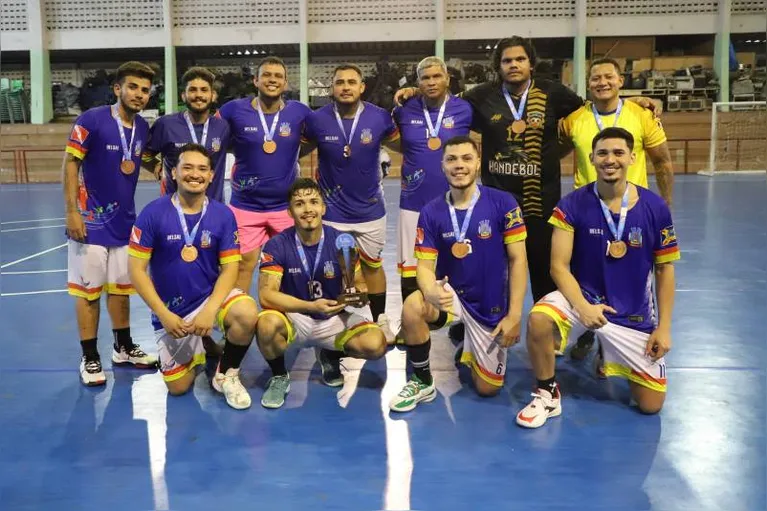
256,228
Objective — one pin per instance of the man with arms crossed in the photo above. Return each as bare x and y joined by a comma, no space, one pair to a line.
103,156
190,244
266,138
610,237
299,286
472,267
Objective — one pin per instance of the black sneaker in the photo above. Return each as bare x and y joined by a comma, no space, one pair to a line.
583,346
330,363
456,332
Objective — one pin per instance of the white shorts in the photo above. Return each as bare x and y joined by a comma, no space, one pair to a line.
480,350
181,356
370,237
624,348
91,268
332,333
407,223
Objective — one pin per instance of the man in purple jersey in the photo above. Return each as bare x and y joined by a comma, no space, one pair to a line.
299,286
101,165
196,125
472,268
266,139
425,124
610,238
191,246
348,134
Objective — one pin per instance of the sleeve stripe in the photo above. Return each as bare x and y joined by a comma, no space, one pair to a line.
140,248
229,253
556,222
75,152
425,253
138,255
515,230
666,250
508,239
230,259
273,270
668,257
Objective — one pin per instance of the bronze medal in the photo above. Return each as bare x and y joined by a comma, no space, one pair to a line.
127,167
189,253
519,126
270,146
434,143
347,151
617,249
459,250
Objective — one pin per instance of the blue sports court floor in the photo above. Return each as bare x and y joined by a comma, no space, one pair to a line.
129,446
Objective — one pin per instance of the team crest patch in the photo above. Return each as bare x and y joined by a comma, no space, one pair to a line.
266,258
366,136
484,230
135,235
205,239
448,123
215,145
513,217
535,119
330,271
79,134
496,117
419,236
635,237
285,129
669,236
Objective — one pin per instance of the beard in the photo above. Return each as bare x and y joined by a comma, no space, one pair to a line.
129,108
196,110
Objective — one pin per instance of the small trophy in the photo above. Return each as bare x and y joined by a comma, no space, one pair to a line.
348,257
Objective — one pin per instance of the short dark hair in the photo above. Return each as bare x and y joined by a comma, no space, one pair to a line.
271,59
510,42
606,60
195,148
133,68
348,67
462,139
614,132
198,72
303,183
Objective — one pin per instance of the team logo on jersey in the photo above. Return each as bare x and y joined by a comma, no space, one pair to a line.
135,235
496,117
535,119
412,181
205,239
266,258
513,217
330,271
484,231
366,136
79,134
237,238
635,237
285,129
669,236
137,152
419,236
448,123
215,145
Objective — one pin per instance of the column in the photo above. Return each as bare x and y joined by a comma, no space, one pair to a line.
579,49
439,45
303,22
41,99
722,50
170,78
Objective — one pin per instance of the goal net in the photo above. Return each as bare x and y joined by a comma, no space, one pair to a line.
738,138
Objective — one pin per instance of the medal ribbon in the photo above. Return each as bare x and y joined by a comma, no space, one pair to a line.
617,233
598,117
434,132
460,235
522,102
302,255
127,149
268,132
188,237
349,139
189,125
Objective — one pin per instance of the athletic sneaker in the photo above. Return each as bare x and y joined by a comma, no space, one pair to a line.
135,356
456,332
582,346
91,372
331,368
411,394
543,406
276,390
231,387
383,324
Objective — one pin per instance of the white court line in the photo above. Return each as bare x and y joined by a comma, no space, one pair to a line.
32,220
47,291
32,271
17,261
399,455
33,228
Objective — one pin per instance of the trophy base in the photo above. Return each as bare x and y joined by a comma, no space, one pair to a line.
353,299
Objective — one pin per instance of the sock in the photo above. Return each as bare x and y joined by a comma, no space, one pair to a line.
122,339
277,365
550,386
409,286
90,349
377,304
418,356
232,356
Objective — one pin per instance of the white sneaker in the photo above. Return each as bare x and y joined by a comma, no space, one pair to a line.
135,356
231,387
543,406
91,372
383,324
414,392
